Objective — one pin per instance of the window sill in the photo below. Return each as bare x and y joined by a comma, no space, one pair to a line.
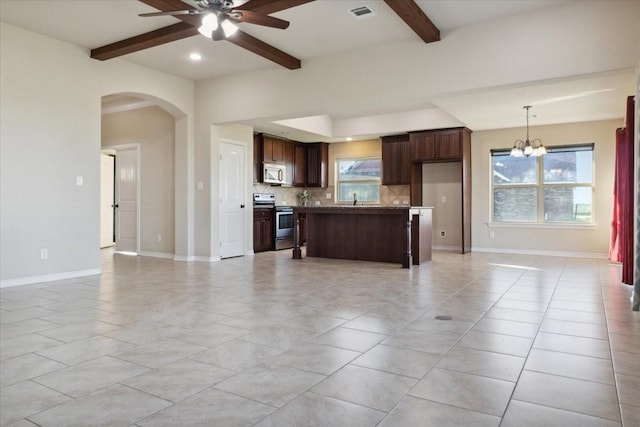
536,225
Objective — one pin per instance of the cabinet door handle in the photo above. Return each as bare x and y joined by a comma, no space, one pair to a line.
241,206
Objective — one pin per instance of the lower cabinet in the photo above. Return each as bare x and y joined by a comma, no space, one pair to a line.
262,229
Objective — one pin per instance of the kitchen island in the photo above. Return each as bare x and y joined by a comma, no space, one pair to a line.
398,234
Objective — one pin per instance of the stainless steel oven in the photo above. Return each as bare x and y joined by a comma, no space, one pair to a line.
284,227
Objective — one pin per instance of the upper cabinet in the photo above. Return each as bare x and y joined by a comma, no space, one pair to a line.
257,158
437,145
317,164
307,164
300,165
288,150
272,150
396,160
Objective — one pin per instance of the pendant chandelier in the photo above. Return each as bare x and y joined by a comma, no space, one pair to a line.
528,148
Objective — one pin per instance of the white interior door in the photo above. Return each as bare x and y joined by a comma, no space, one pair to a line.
127,200
106,200
232,199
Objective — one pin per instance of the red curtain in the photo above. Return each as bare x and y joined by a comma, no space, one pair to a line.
621,247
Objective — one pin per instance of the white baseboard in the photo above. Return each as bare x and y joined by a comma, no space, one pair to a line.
447,248
590,255
49,277
164,255
206,258
191,258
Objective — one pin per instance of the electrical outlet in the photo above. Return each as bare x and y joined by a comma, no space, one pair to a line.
200,185
159,237
328,196
396,202
492,234
444,199
443,233
44,253
317,202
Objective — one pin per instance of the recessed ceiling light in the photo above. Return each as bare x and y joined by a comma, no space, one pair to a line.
195,56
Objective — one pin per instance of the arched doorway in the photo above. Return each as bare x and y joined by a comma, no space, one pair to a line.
149,135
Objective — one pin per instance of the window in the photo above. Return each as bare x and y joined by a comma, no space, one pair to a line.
555,188
358,179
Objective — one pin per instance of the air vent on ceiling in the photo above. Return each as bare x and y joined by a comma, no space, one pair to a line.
362,12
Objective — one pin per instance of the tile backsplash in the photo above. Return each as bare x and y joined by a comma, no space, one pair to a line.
289,195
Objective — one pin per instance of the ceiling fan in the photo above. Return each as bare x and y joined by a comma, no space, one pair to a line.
221,16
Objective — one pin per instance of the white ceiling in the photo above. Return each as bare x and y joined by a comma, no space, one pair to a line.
322,28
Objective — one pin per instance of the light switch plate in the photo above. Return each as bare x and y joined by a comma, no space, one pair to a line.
79,180
200,185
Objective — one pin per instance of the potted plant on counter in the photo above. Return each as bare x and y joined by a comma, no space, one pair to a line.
304,197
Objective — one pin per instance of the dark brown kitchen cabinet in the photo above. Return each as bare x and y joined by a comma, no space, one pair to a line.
423,146
288,150
317,164
300,165
272,150
262,229
396,160
449,144
257,158
437,145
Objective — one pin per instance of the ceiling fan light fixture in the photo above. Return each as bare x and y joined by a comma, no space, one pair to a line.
209,25
229,28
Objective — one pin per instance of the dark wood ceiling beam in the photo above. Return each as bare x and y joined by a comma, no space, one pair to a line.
265,50
188,28
154,38
416,19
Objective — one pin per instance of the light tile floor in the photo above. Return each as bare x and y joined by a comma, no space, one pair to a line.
265,340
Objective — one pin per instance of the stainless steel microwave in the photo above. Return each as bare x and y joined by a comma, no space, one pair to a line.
274,173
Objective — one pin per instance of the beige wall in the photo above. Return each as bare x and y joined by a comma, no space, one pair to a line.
152,128
584,240
49,135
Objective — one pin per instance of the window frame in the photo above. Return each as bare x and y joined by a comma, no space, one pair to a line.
337,181
540,186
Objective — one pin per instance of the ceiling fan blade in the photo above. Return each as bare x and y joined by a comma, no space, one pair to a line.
172,13
218,34
258,19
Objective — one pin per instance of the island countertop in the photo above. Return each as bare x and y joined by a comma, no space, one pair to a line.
399,234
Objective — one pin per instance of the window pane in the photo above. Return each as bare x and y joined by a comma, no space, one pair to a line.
364,191
353,170
568,204
569,166
514,170
514,204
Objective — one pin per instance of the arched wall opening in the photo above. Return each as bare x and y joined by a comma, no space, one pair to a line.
157,130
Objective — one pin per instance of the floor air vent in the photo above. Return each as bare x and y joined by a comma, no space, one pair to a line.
362,12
